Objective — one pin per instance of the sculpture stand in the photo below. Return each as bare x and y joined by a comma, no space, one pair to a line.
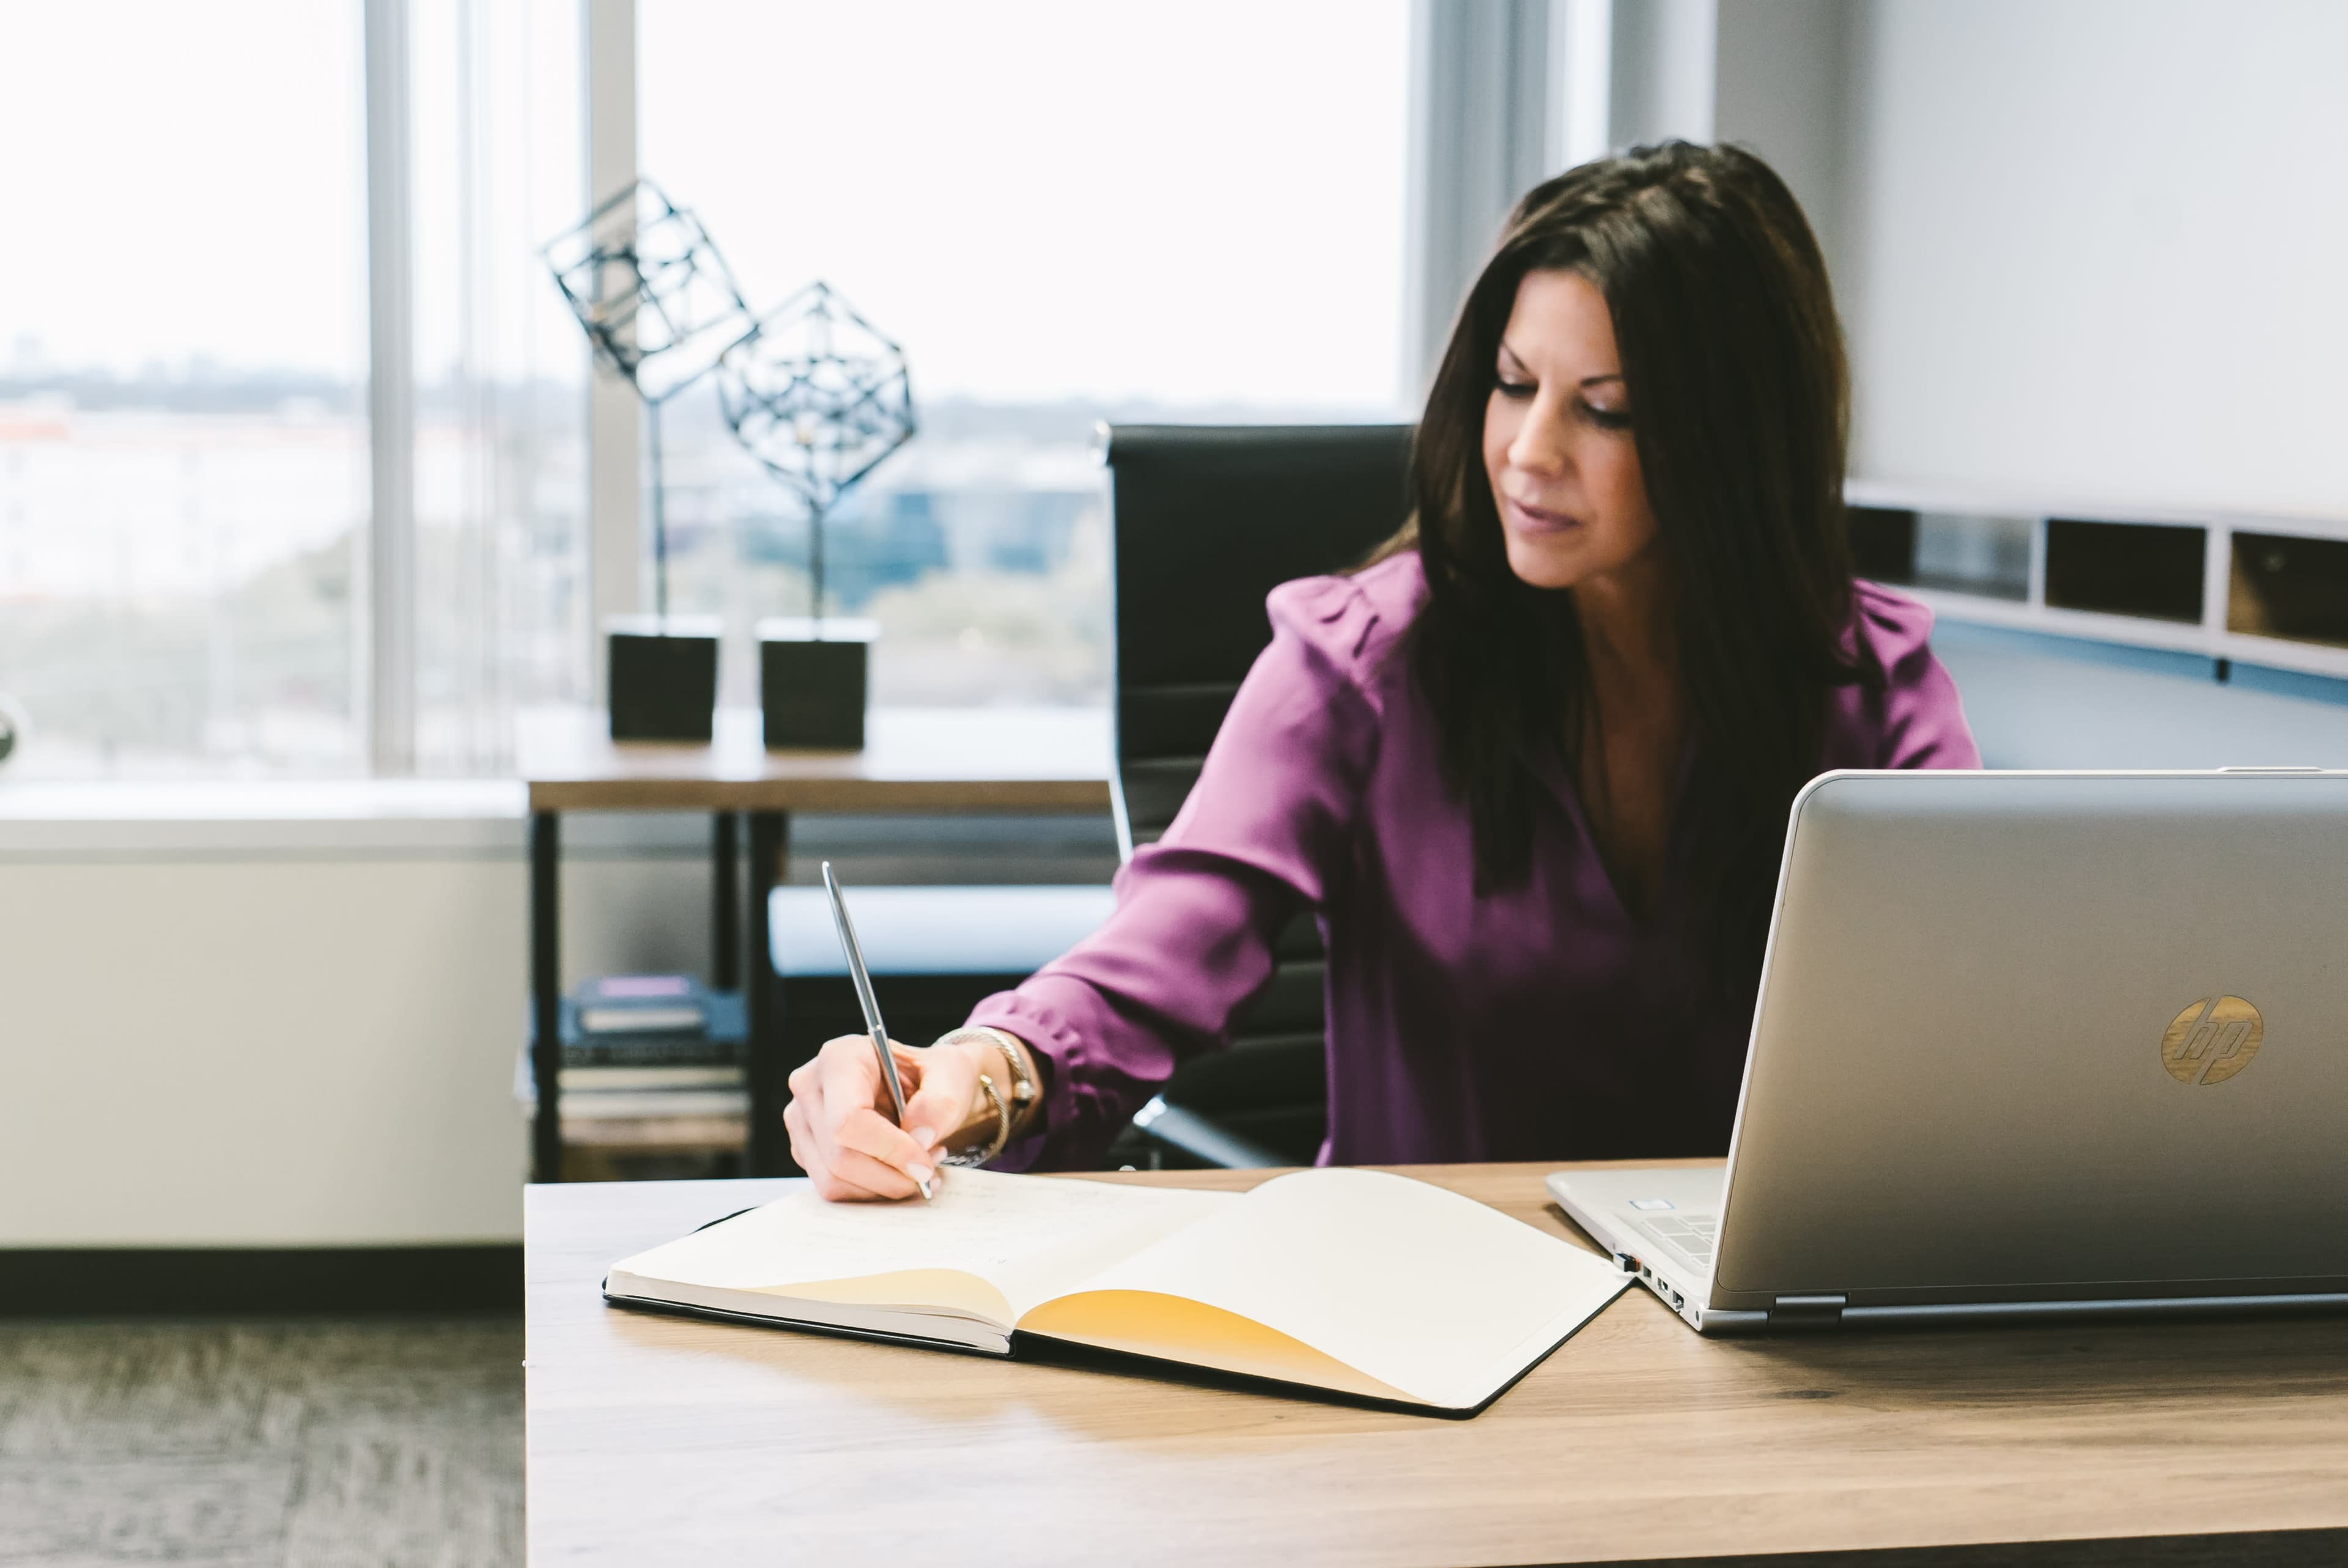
659,306
814,679
820,396
661,677
660,512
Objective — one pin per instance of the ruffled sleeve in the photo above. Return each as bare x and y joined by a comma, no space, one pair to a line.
1911,715
1266,832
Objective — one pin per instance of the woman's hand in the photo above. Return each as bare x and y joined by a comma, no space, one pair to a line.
839,1116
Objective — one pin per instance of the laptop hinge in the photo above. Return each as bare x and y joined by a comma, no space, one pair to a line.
1807,1311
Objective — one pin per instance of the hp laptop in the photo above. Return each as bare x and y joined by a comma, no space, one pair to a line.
2027,1045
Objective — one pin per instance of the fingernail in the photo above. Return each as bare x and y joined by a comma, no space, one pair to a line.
919,1171
925,1137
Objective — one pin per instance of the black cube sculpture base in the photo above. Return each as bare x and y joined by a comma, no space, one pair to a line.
662,685
813,690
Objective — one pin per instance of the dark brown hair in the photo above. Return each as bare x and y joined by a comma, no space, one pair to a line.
1739,398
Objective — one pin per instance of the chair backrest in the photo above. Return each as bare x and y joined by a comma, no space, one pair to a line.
1205,520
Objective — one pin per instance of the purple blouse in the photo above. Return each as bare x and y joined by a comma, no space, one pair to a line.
1542,1022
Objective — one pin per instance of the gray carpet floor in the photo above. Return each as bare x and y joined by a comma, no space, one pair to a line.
250,1443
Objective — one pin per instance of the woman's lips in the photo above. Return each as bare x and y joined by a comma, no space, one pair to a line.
1527,519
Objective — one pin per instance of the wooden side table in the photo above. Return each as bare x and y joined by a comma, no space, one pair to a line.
932,760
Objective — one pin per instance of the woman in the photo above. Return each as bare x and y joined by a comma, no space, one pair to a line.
1532,766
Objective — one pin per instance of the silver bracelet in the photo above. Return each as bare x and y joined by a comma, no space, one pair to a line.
1024,1088
1002,1129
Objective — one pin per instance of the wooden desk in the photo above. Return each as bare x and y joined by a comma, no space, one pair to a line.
666,1440
915,760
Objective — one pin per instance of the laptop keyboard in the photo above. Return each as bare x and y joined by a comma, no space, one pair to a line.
1691,1235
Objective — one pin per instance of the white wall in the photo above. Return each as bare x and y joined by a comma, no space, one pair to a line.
252,1053
261,1032
1782,88
2096,250
1664,55
1771,75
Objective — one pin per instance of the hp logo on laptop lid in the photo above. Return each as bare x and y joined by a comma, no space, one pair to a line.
2211,1040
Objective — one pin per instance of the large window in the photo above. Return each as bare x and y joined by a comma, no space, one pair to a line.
1064,212
184,451
184,442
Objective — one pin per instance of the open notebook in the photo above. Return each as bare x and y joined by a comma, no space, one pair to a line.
1354,1281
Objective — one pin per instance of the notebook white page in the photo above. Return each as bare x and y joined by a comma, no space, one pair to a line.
1023,1237
1421,1289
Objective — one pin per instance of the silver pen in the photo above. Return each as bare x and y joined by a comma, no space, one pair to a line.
862,978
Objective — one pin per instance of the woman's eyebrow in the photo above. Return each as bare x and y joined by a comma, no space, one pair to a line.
1586,381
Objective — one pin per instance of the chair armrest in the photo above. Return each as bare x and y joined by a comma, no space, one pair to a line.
1200,1138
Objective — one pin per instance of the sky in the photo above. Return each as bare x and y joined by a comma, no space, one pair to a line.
194,175
1040,200
1186,202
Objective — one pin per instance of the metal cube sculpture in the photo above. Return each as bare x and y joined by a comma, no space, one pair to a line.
817,395
651,290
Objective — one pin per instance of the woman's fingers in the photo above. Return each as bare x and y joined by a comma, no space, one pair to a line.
849,1121
808,1094
881,1140
803,1148
815,1116
821,1170
948,1087
872,1179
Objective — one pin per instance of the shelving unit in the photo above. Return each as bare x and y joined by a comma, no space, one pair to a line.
2270,593
630,1132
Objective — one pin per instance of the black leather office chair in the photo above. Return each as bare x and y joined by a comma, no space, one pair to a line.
1205,521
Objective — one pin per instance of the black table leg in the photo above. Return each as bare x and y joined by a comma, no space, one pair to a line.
769,1143
546,996
725,887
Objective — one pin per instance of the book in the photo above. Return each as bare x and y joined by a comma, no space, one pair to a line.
650,1051
597,1080
718,1040
642,1004
641,1020
1353,1282
638,1090
638,1104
